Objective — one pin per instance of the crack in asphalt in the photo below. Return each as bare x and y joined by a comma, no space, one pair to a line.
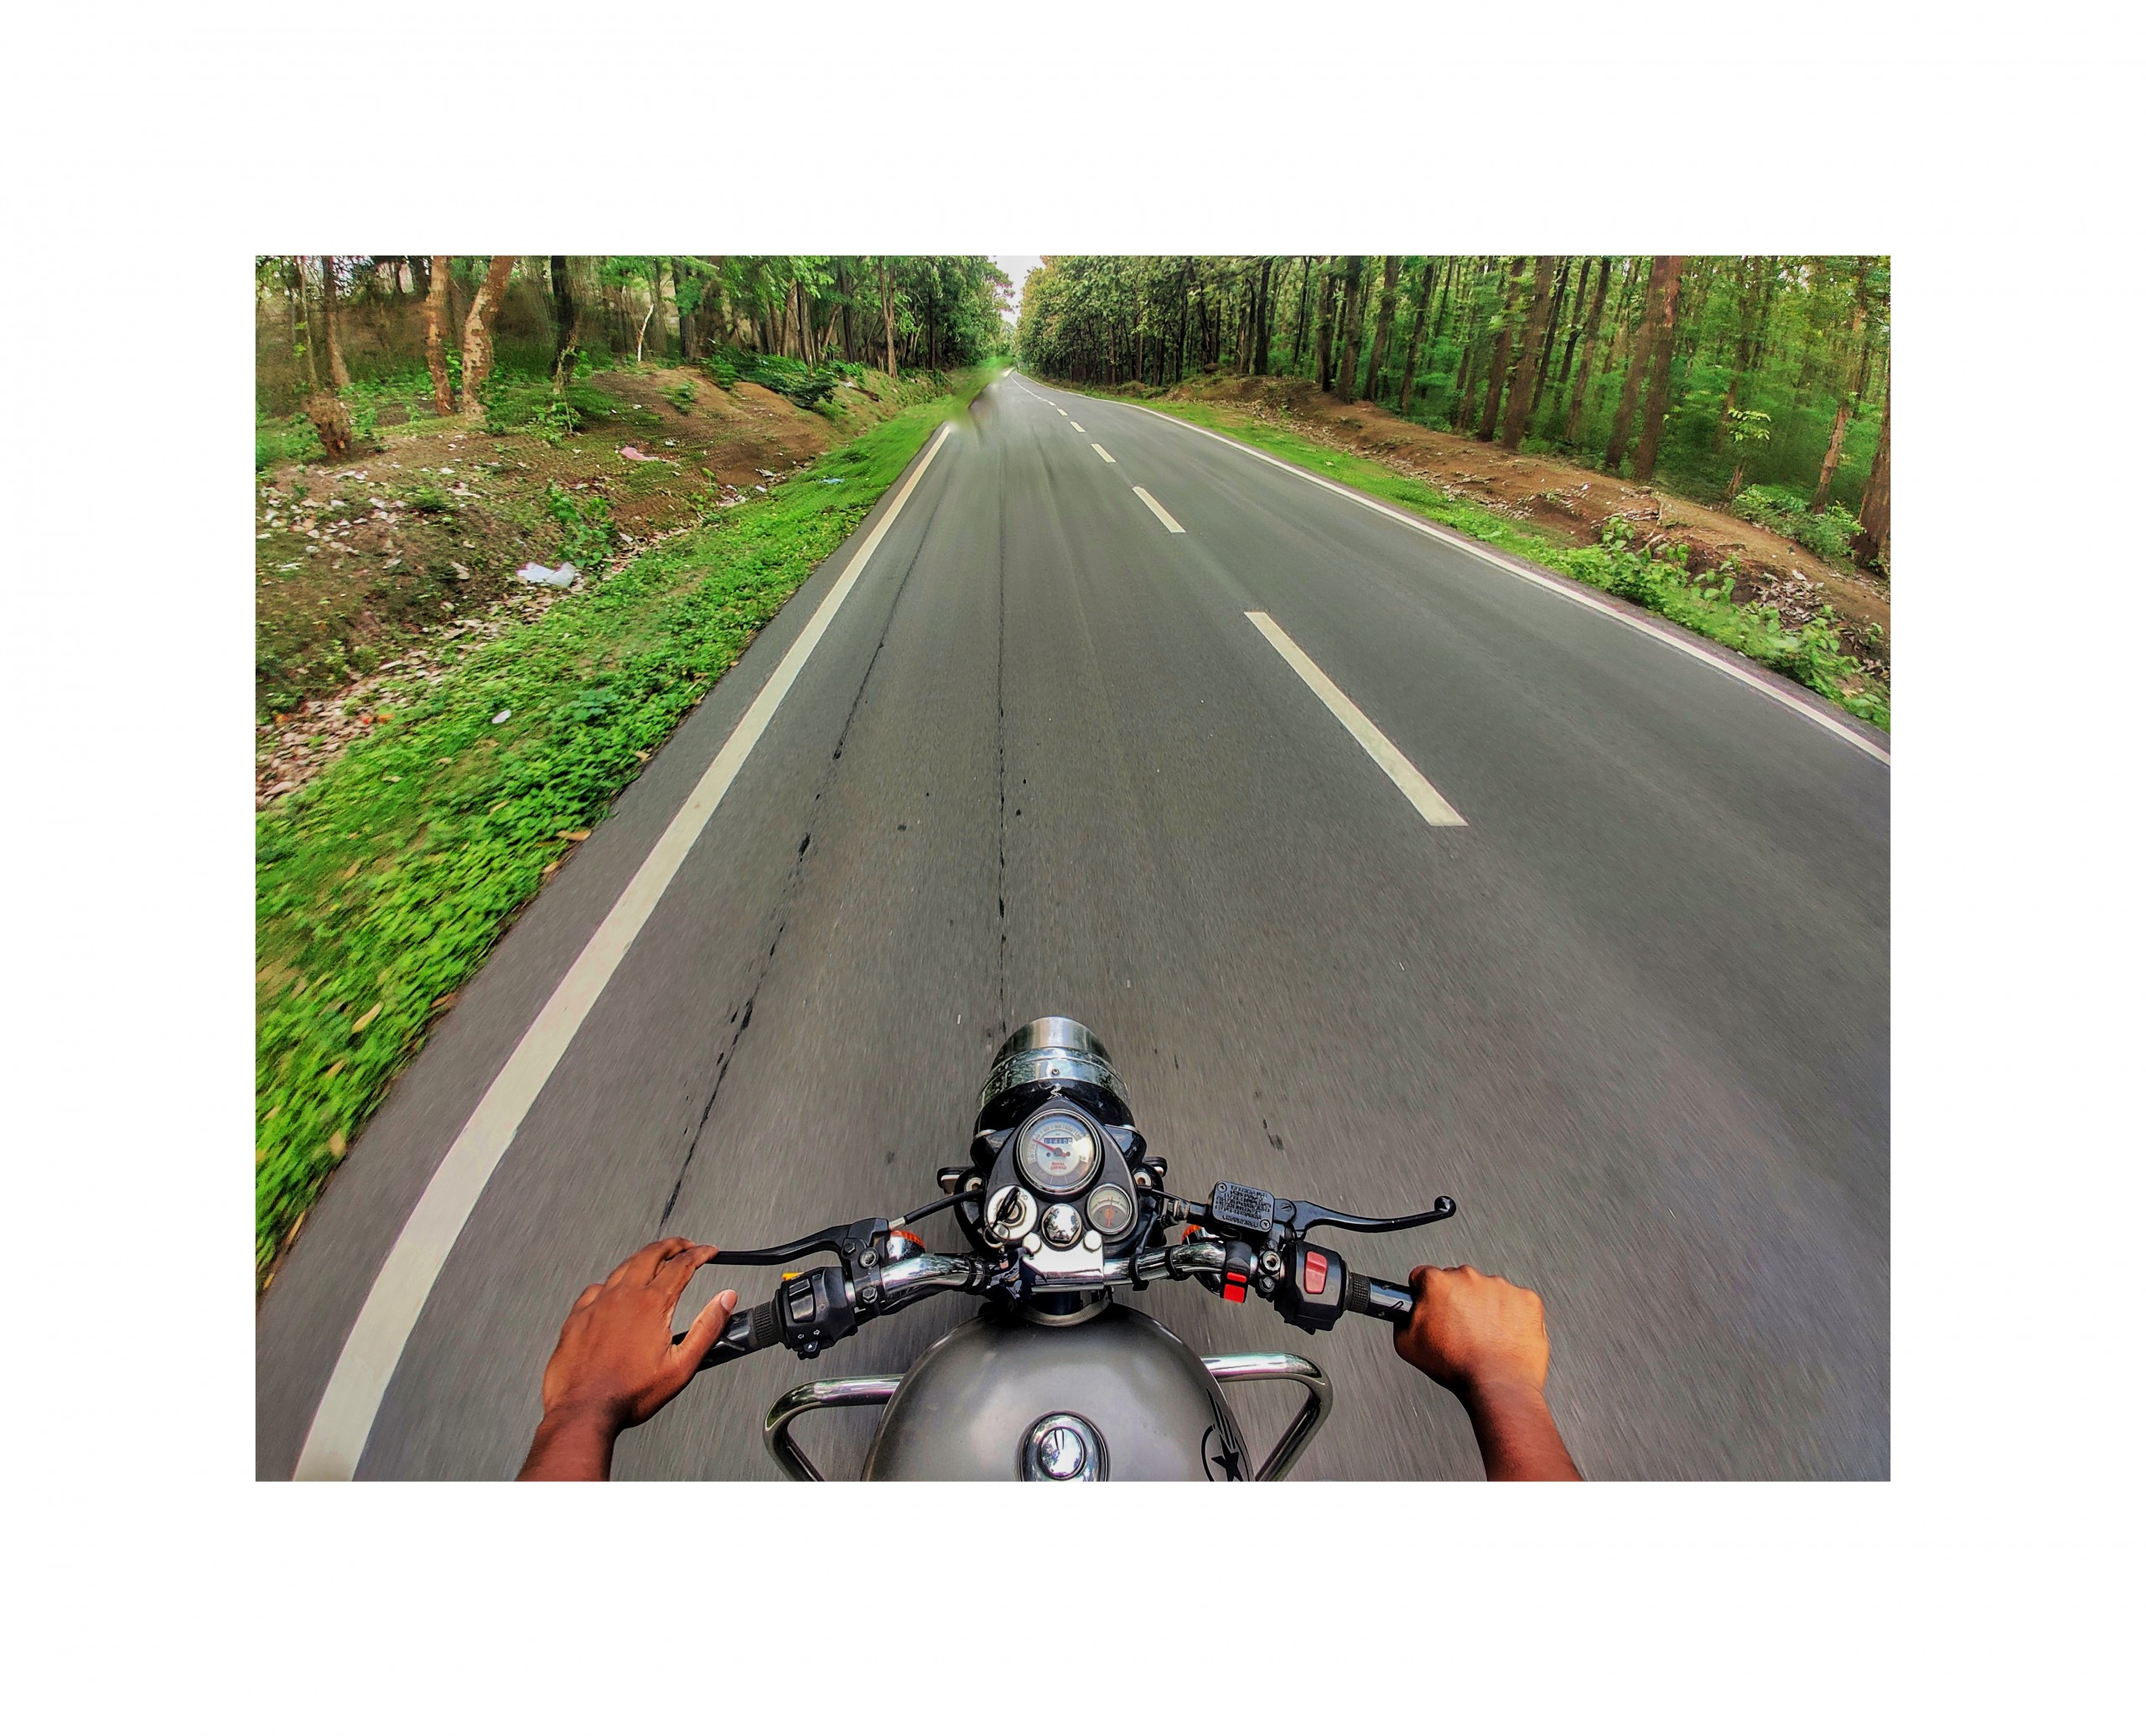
1002,1027
791,881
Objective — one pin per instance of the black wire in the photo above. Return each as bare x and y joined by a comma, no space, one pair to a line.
938,1204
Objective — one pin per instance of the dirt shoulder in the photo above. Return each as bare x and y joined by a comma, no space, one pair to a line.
1570,503
370,573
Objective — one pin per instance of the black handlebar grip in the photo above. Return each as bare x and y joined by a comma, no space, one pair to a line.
758,1328
1381,1301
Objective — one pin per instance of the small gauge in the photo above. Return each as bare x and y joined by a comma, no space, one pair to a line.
1109,1210
1057,1153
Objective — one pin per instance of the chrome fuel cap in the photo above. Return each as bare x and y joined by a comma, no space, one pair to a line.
1064,1448
1061,1226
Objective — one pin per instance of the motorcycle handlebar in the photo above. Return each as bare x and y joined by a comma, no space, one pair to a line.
1376,1297
747,1330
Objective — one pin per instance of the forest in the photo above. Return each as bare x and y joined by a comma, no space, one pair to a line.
1759,382
347,343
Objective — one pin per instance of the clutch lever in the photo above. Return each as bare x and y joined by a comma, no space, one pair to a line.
846,1241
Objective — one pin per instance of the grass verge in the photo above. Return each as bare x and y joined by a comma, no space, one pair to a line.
381,886
1657,580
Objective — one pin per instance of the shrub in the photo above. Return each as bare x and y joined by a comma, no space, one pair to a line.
586,519
1786,514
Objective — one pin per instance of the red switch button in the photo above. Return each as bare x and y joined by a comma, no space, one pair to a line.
1315,1282
1232,1288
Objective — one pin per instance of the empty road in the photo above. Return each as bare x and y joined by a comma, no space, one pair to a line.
1383,870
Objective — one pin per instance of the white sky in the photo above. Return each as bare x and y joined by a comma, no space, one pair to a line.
1017,266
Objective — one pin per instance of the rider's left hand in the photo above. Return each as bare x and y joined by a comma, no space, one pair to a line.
615,1366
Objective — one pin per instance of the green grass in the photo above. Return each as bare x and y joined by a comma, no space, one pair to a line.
381,886
1656,580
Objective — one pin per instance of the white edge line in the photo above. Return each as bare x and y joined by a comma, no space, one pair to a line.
1423,795
1155,506
343,1421
1719,659
1102,454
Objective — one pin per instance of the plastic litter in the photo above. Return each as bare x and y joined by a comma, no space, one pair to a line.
501,716
561,577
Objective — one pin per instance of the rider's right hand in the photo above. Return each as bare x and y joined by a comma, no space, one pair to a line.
1469,1330
1483,1339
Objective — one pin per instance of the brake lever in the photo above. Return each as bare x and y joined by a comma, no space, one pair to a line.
1304,1215
1235,1210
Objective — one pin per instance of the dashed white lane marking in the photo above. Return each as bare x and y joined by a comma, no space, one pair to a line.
1434,808
1155,507
1054,407
1723,661
1078,429
1107,459
344,1421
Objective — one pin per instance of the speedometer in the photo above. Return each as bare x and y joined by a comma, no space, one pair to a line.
1057,1153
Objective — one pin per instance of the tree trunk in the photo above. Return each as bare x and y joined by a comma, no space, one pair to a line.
1415,334
1324,341
1352,323
1262,351
301,320
1389,282
1550,337
435,338
1576,405
477,333
1663,354
1628,401
566,322
1532,351
1832,459
336,371
1572,330
678,307
887,317
1872,545
1303,320
1848,406
1494,383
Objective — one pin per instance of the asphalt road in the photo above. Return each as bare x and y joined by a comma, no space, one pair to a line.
1634,1014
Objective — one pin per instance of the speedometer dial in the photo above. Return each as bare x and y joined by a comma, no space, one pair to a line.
1057,1153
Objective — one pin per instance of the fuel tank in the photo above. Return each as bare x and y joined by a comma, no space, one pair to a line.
1004,1398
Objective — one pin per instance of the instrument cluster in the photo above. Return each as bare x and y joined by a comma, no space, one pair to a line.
1062,1192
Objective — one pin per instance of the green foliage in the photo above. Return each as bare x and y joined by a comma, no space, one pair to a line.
586,519
380,887
279,440
430,497
515,401
1786,513
680,397
805,386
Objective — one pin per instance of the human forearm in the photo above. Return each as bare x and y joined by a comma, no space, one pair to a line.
1516,1433
572,1446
